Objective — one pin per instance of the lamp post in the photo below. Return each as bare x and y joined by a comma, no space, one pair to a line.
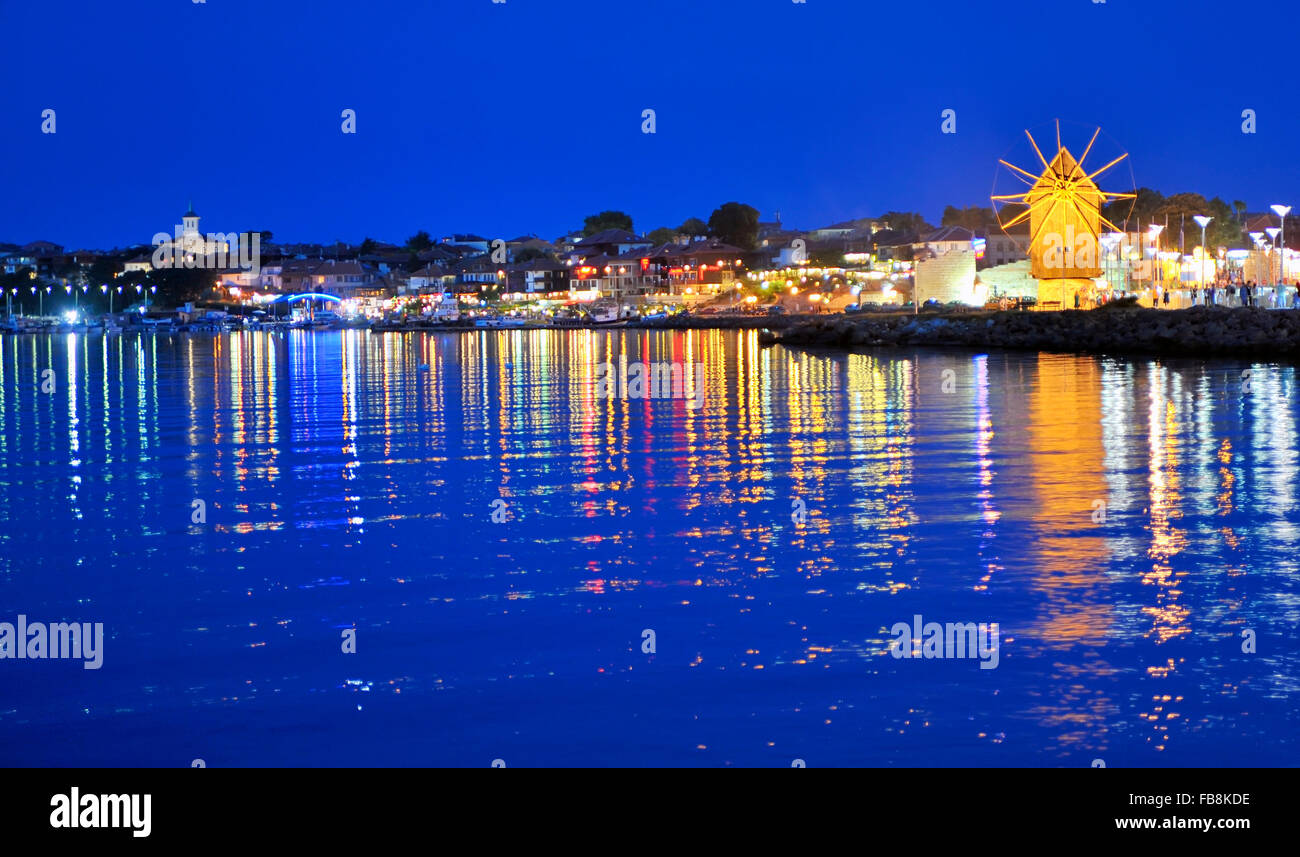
1110,244
1272,235
1155,230
1282,211
1257,238
1203,221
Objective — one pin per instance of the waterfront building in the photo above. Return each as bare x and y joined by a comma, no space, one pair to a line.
38,255
429,279
537,277
622,278
610,242
477,242
330,276
188,244
479,274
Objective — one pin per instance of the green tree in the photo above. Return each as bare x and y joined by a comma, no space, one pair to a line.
973,217
528,254
175,285
663,235
104,269
1239,208
419,242
1177,213
367,246
1225,230
20,279
606,220
906,221
735,223
693,227
1126,213
826,258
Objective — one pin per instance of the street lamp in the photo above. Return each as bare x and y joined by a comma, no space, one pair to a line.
1203,221
1272,235
1257,238
1282,211
1155,229
1110,244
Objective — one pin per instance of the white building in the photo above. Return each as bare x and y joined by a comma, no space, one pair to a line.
187,248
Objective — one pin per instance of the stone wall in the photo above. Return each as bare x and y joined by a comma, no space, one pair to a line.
948,277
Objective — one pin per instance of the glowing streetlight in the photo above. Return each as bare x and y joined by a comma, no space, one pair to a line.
1110,244
1154,231
1272,236
1282,211
1203,221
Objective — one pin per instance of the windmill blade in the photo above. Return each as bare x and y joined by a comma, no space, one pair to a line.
1017,169
1108,166
1034,238
1019,217
1029,209
1104,196
1038,151
1058,135
1089,149
1113,227
1086,224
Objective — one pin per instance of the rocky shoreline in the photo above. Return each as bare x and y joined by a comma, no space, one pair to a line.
725,322
1196,332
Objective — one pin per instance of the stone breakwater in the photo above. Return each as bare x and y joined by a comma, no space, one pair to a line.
724,322
1199,331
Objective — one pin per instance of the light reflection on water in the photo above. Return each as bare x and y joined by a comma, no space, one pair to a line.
345,484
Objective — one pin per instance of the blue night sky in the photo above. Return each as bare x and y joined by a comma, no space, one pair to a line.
525,116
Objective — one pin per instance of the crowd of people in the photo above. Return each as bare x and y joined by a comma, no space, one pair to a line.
1234,292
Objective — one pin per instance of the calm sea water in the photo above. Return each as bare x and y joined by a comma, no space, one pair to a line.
350,480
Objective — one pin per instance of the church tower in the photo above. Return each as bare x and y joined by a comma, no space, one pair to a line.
190,221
